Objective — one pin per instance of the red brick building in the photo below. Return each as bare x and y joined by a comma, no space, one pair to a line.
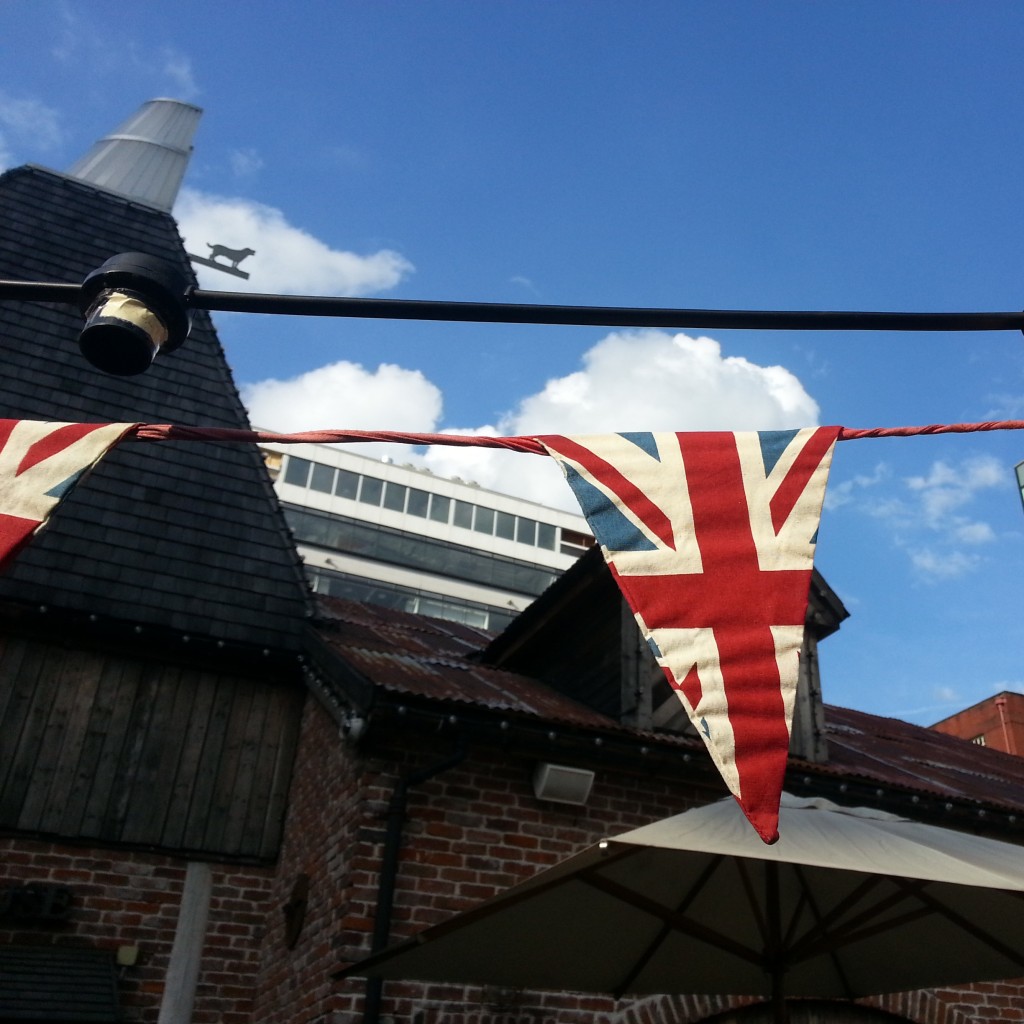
214,794
996,722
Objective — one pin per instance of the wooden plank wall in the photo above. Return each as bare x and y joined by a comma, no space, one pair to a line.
104,747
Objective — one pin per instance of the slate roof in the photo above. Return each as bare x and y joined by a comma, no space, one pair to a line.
411,656
187,536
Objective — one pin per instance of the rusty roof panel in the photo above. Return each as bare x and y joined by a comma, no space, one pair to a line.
411,654
423,657
890,752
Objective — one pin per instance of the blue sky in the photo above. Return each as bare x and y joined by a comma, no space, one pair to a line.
722,155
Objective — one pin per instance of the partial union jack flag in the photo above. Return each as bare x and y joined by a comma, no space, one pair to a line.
711,538
39,464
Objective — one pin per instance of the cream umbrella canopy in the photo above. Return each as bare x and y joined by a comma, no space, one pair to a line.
849,902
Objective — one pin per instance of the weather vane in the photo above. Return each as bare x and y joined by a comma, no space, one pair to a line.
233,257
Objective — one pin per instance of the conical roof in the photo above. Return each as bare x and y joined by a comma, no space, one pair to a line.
185,537
146,157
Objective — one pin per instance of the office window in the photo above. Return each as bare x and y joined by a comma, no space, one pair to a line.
505,526
463,515
322,478
483,521
296,471
526,531
371,490
418,501
394,496
546,536
439,508
347,484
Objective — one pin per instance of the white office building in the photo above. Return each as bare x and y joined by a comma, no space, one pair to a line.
399,536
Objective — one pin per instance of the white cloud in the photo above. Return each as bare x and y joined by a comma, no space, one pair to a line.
634,380
347,395
652,380
26,125
847,491
943,565
935,505
177,68
644,380
245,162
87,43
287,259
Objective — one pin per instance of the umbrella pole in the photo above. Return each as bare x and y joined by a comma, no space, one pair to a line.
774,940
779,998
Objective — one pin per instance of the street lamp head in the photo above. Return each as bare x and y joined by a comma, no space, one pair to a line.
135,307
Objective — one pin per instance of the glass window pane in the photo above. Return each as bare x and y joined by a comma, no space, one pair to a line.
347,484
463,515
323,478
439,507
505,526
394,496
296,471
371,490
546,536
418,500
526,531
483,522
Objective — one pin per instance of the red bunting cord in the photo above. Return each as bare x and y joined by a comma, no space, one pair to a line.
530,445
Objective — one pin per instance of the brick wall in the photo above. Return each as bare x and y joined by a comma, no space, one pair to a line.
471,832
1000,720
126,898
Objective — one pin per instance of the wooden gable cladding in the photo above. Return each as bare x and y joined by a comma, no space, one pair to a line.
124,749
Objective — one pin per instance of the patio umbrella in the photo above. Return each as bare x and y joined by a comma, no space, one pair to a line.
849,902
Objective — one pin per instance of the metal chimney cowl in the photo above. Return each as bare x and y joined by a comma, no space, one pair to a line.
145,158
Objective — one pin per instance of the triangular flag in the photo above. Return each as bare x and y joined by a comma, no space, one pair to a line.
710,537
39,464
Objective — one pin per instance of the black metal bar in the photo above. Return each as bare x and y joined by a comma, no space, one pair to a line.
604,316
582,316
40,291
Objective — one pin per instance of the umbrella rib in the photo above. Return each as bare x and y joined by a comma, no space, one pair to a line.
645,958
755,907
828,936
849,936
678,922
807,898
935,905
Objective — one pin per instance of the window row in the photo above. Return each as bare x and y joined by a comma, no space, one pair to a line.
413,501
381,544
407,599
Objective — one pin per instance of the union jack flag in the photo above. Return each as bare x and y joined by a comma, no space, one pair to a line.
710,537
39,464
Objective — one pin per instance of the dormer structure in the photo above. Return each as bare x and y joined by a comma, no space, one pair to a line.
581,638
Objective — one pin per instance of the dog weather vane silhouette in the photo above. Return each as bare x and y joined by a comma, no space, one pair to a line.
232,256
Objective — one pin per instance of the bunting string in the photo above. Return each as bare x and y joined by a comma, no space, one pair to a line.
528,445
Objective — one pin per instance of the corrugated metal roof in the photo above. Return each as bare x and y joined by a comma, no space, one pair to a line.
416,656
891,752
423,657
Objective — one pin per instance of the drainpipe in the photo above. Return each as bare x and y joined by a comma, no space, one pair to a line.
396,816
1007,738
186,952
